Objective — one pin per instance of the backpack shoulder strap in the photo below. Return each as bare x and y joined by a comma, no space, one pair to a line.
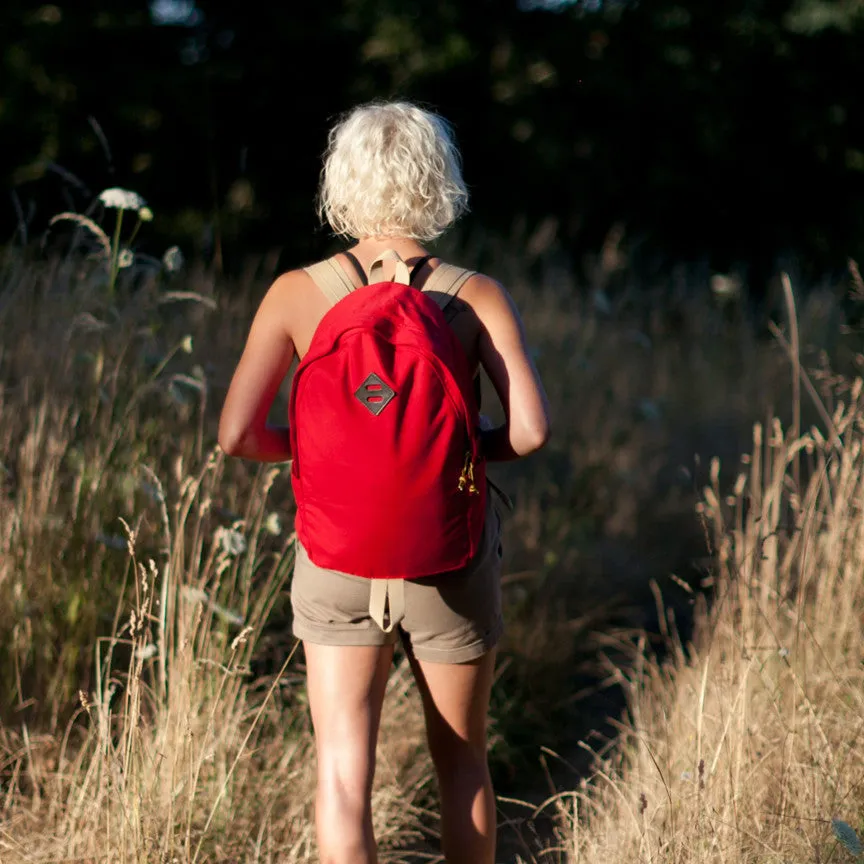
445,282
333,281
402,276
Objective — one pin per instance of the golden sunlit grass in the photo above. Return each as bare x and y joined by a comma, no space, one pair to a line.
185,755
746,744
152,709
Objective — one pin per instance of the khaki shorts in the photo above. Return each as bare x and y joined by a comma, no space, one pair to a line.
449,618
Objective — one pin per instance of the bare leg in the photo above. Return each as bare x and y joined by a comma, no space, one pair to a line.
455,701
346,691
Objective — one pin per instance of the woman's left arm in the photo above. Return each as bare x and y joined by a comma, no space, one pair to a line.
243,427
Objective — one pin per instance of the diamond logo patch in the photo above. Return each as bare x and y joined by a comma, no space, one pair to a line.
374,394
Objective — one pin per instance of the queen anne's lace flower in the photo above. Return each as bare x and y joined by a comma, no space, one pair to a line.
122,199
125,259
145,214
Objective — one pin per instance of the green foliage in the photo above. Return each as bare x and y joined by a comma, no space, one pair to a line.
847,837
576,116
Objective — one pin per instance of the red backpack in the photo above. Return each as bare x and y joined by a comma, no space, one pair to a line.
387,473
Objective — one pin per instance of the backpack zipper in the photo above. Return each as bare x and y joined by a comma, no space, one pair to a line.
466,478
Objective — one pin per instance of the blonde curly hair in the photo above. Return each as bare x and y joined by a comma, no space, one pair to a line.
391,169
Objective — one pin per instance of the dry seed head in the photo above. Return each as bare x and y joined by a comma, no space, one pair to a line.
272,474
711,498
82,698
680,582
130,536
240,638
177,467
90,225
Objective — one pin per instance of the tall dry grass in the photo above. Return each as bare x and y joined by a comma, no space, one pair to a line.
142,718
745,744
153,710
182,753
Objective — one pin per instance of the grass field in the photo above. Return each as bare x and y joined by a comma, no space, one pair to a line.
153,703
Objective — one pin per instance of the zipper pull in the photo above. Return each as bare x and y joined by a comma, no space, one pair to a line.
466,478
463,477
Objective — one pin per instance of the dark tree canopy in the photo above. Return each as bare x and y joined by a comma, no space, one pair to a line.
720,132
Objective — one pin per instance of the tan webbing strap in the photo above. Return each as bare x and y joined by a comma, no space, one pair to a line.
387,597
334,282
444,283
401,275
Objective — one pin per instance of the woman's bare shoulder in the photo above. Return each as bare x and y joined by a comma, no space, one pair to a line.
289,290
486,294
291,282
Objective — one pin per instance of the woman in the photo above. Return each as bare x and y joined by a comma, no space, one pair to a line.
392,181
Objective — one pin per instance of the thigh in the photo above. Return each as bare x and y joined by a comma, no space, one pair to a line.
456,702
346,685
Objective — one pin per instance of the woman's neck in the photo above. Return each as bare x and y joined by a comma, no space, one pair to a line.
367,249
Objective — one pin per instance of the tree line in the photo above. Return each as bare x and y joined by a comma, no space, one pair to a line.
720,133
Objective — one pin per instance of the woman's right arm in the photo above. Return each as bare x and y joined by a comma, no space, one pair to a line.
504,355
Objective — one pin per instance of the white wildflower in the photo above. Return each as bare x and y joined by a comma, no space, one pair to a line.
125,259
145,652
122,199
145,214
186,344
172,260
273,524
231,541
